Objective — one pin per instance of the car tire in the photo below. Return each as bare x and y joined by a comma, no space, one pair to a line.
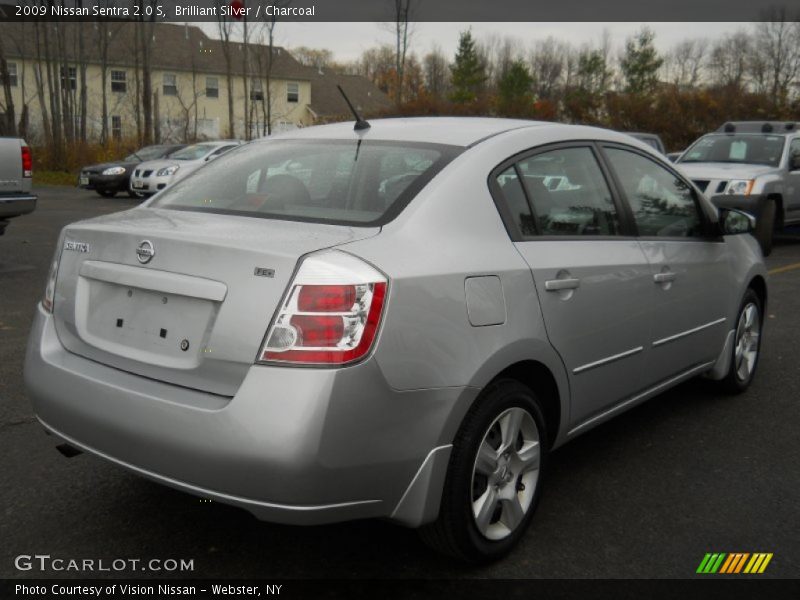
489,499
765,226
747,344
107,193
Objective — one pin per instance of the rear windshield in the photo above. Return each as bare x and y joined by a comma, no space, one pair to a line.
330,181
746,148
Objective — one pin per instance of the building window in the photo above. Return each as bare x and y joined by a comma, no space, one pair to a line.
170,85
212,87
69,78
116,127
119,81
292,92
256,91
12,74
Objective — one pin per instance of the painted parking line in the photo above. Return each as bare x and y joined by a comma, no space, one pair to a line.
791,267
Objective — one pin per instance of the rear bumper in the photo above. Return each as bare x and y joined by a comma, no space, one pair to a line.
298,446
16,205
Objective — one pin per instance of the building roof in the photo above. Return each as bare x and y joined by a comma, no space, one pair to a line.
327,103
174,47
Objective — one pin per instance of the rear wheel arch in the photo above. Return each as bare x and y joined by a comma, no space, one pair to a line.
542,382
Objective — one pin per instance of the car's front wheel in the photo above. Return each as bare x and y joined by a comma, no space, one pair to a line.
493,480
746,344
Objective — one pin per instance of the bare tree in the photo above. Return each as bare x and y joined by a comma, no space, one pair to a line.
225,31
777,44
728,60
547,65
7,124
685,62
402,29
436,72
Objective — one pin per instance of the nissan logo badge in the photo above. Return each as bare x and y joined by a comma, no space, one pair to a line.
145,252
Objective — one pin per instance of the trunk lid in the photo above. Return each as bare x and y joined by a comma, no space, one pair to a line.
181,297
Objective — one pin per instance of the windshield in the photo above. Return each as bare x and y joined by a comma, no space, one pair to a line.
346,182
147,153
195,152
752,149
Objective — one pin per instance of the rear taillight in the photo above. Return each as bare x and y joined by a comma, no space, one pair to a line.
27,162
48,302
331,313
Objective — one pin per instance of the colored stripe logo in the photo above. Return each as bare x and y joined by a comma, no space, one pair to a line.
734,563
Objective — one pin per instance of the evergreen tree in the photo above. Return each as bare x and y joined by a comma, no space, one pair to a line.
468,71
641,63
514,90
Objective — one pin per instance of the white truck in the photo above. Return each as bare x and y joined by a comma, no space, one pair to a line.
16,169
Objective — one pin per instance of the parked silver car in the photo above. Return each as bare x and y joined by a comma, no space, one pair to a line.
400,321
753,166
154,175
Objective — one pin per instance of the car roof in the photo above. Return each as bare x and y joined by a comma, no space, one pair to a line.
455,131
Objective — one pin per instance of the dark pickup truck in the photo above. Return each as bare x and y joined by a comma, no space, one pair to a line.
16,169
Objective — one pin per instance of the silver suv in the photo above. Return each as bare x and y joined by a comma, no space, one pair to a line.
753,166
398,321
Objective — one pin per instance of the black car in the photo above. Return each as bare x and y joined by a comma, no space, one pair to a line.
109,178
651,139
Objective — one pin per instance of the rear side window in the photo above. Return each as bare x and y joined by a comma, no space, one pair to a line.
345,182
514,195
662,204
569,193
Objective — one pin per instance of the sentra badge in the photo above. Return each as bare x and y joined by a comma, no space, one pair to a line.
76,246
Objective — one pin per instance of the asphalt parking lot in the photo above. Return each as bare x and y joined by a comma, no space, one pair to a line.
645,495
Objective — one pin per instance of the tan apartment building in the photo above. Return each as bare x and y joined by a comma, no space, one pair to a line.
189,76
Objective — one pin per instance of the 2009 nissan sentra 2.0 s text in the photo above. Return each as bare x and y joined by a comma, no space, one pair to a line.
395,321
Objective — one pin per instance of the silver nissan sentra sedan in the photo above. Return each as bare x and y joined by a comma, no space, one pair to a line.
396,321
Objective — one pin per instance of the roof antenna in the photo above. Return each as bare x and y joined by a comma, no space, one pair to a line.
360,123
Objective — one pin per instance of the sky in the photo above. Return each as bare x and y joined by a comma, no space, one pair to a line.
348,40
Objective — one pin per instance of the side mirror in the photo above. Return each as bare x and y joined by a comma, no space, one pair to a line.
734,221
794,162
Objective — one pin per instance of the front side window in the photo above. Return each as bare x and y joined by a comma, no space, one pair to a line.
119,81
329,181
170,85
292,92
750,148
794,154
663,205
569,193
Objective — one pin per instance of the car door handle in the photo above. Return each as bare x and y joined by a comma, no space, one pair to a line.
664,277
555,285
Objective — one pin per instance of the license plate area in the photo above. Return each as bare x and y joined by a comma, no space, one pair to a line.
139,185
84,180
153,327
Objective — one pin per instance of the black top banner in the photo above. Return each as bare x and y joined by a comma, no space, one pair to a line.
386,10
